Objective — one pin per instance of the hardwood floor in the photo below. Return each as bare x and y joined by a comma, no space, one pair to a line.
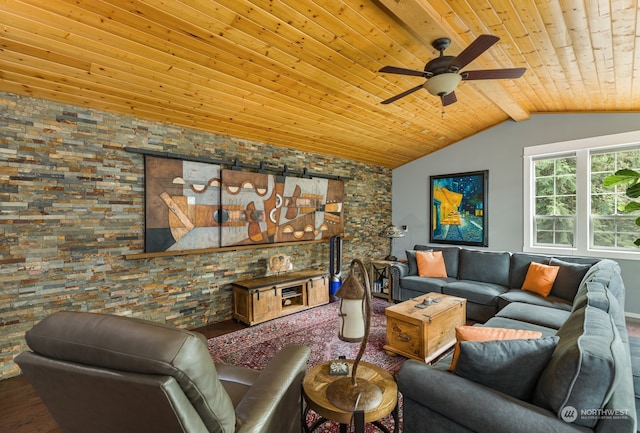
22,411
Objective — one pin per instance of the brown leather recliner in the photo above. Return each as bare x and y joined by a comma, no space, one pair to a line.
100,373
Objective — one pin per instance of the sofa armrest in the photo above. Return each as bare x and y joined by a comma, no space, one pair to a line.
397,270
474,406
273,403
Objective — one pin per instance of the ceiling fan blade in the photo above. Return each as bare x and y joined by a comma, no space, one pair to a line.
402,95
448,99
493,74
477,47
402,71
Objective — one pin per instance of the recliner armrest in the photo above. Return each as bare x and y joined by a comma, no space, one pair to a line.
269,404
472,405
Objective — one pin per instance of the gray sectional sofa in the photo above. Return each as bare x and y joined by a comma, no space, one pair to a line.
576,378
489,280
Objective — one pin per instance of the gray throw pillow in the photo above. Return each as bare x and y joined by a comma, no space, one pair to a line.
569,277
412,262
511,367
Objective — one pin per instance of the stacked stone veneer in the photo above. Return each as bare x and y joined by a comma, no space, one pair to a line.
72,206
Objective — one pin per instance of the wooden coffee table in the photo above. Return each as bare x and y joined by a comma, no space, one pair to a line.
314,390
424,333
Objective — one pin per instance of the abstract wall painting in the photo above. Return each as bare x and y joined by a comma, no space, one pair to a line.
459,208
182,199
196,205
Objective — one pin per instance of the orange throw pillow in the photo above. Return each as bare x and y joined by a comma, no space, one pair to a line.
485,333
431,264
540,278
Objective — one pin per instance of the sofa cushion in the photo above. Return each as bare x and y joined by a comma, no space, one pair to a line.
431,264
475,291
536,314
424,284
519,265
505,322
485,333
540,278
450,254
582,371
569,277
485,266
517,295
508,366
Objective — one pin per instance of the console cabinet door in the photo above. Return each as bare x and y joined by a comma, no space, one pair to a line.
266,305
318,291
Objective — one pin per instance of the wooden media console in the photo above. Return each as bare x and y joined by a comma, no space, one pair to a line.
261,299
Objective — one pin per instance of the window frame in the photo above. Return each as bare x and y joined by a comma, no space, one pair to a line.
582,148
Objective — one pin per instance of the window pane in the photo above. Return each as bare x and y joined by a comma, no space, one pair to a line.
544,186
555,200
566,185
565,166
603,205
626,240
566,205
604,240
544,238
596,182
544,206
565,224
611,228
564,238
629,159
604,225
544,167
603,162
544,224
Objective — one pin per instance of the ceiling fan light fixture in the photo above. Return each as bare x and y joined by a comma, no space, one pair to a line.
442,84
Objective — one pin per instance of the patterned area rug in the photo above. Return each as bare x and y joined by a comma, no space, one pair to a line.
316,328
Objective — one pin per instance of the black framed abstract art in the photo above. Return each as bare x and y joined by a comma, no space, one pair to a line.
458,208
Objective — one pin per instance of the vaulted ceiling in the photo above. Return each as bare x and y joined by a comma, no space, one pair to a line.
303,74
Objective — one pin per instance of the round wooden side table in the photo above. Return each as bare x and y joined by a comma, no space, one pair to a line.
314,390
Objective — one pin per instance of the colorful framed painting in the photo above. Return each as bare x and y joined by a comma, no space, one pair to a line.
458,208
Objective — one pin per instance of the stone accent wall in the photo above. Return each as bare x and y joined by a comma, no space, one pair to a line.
72,205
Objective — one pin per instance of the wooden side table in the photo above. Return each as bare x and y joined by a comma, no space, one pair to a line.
380,277
314,391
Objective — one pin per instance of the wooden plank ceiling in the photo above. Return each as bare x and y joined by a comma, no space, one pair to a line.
303,74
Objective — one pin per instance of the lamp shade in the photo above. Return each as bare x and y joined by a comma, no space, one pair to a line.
392,231
442,84
352,309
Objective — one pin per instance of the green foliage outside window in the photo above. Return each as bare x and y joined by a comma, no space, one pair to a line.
630,179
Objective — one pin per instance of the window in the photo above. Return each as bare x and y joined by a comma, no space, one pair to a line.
555,201
567,208
611,228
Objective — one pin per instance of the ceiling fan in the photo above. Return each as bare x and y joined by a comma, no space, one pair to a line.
443,73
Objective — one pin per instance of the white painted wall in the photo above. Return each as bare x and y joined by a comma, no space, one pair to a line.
499,150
